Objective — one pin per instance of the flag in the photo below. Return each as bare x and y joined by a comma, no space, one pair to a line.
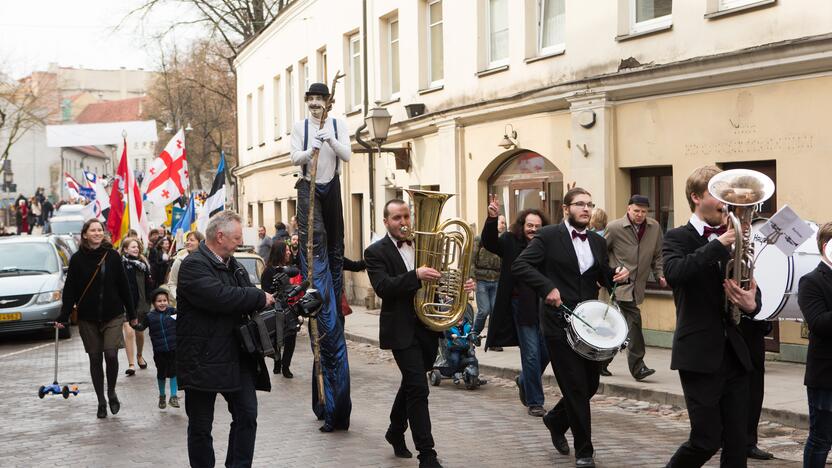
102,202
117,222
187,222
167,178
135,208
76,190
216,199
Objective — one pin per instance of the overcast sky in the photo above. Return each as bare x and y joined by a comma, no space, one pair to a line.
78,33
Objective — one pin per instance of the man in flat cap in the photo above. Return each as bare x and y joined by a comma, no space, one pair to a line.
635,242
332,140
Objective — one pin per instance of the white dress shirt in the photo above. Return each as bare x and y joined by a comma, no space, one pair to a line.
336,148
582,249
699,225
408,253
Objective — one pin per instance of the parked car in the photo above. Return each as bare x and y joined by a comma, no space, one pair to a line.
71,242
32,275
252,262
69,209
70,224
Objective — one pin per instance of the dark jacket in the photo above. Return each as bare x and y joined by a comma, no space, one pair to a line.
108,296
140,282
162,327
213,300
353,265
550,262
814,295
396,287
159,267
502,330
695,269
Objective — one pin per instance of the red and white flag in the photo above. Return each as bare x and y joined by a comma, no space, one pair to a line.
167,178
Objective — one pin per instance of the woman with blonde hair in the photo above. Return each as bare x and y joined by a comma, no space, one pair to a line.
192,240
598,221
139,280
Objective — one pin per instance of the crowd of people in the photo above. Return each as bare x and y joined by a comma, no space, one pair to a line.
27,213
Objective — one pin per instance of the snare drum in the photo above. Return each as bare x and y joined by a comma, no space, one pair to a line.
607,338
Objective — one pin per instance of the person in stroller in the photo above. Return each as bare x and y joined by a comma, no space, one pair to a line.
456,340
457,359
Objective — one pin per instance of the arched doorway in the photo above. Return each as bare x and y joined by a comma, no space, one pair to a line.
528,180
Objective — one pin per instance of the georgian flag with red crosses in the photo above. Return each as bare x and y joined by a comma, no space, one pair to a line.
167,178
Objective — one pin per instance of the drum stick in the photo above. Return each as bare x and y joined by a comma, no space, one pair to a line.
609,302
573,314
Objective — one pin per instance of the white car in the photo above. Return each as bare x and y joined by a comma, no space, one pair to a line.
69,209
70,224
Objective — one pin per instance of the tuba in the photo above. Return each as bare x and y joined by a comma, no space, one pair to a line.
440,305
742,191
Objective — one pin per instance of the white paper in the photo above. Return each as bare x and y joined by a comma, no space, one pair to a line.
786,230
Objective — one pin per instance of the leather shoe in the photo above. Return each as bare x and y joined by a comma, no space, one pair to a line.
429,462
102,411
498,349
399,446
287,373
606,372
587,462
115,405
643,373
558,440
759,454
537,411
521,390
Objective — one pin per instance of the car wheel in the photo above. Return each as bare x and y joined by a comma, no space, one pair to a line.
65,332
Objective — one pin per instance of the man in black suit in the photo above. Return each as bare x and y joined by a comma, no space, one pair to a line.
395,279
815,299
708,351
564,264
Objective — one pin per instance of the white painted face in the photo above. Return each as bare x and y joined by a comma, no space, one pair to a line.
316,105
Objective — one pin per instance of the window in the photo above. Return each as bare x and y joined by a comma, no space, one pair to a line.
261,119
303,81
551,26
729,4
290,100
647,15
497,21
278,212
323,76
435,62
249,123
657,185
276,105
393,55
356,90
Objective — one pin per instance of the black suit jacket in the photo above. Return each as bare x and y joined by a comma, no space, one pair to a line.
814,296
550,262
695,269
396,287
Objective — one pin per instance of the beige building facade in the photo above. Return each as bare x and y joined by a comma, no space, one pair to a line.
627,99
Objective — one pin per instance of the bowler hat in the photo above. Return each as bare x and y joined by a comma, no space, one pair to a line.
318,89
639,200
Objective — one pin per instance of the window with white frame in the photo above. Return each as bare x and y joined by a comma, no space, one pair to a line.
393,55
323,76
249,123
435,46
729,4
356,90
551,26
497,37
276,105
303,82
646,15
261,118
290,100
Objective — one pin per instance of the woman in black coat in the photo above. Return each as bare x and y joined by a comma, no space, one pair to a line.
97,283
280,256
160,261
140,282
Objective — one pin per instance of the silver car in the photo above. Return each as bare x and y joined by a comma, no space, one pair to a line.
32,274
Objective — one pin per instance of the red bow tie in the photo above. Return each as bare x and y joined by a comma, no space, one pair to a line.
577,235
402,242
713,230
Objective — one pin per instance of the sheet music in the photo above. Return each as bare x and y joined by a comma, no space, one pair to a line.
786,230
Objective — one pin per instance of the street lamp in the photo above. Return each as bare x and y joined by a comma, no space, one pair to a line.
378,123
8,176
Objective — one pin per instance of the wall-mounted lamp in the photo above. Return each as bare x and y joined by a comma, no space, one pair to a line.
509,140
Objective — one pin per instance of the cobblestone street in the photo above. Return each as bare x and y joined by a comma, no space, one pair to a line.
486,427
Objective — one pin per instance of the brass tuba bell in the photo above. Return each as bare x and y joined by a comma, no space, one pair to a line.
742,191
439,305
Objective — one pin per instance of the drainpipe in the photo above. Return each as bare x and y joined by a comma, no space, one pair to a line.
366,105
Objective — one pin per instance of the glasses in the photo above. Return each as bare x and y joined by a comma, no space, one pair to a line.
583,205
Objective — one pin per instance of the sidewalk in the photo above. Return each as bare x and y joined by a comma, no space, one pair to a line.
785,395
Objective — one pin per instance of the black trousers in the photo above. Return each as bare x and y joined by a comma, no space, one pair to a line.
411,403
578,381
288,350
242,405
754,334
718,409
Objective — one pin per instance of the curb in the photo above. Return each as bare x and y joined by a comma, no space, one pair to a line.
788,418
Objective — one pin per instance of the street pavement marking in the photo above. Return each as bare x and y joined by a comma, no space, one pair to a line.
26,350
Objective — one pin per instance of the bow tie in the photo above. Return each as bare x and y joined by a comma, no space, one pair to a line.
713,230
577,235
402,242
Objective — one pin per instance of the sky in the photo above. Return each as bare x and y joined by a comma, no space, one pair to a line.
80,33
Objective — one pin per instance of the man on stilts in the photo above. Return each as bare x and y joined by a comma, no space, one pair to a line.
333,145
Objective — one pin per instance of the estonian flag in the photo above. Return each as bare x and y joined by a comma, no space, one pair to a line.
216,199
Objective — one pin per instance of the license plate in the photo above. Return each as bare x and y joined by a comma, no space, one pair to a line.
8,317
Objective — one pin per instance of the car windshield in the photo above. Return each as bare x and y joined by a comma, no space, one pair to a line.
66,209
66,227
27,259
253,266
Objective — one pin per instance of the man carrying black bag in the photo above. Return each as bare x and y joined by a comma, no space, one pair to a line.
215,297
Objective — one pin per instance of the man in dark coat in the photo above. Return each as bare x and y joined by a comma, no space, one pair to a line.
215,297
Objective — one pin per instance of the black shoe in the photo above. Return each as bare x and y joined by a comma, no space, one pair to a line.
115,405
277,367
498,349
587,462
130,372
521,390
102,411
558,440
643,373
429,462
759,454
287,373
326,428
141,362
399,446
606,372
537,411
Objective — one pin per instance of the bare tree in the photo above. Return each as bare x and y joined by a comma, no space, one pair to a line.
21,109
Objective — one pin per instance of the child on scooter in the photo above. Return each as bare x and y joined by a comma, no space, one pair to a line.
162,323
457,346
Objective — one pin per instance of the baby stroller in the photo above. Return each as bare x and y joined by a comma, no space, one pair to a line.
457,358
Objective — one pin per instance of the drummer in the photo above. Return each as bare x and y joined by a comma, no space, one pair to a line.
564,279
